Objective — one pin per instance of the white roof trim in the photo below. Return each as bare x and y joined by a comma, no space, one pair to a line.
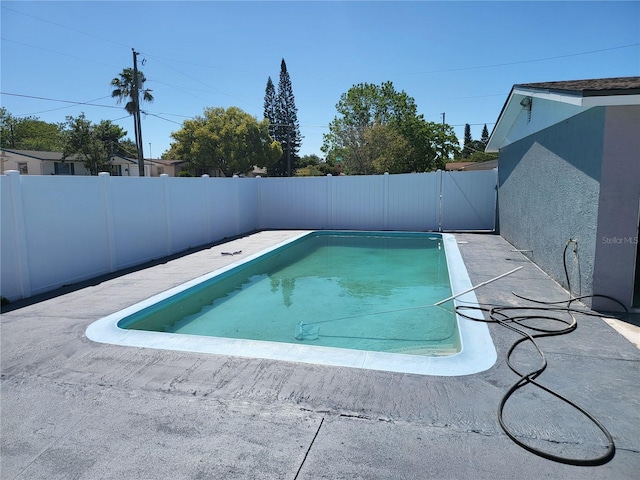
503,133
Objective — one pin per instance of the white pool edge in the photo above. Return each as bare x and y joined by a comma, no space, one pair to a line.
478,352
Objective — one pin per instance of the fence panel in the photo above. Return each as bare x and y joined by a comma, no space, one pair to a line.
246,201
413,201
64,230
469,200
299,203
58,230
140,219
188,212
13,252
357,203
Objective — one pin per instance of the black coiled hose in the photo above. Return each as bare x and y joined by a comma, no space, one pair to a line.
509,317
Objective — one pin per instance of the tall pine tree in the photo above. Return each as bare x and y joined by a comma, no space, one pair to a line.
484,138
270,101
280,109
466,149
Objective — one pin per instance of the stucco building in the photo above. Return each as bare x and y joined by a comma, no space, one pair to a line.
569,182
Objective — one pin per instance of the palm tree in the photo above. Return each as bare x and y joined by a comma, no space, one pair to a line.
124,86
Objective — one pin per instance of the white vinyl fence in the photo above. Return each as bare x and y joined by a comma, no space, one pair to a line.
58,230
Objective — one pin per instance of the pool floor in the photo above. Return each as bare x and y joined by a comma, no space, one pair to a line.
359,291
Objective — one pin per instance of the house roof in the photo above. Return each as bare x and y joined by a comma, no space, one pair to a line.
44,156
57,156
469,166
456,165
165,162
570,98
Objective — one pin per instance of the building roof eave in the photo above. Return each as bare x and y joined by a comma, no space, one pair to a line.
579,95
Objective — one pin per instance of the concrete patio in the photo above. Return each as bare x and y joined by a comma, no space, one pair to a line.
75,409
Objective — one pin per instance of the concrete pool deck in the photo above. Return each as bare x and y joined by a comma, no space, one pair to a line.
72,408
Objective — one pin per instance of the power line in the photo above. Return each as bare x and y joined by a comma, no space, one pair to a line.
59,100
62,108
519,62
162,118
65,26
199,81
57,53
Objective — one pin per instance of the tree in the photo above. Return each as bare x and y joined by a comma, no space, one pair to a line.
312,160
231,140
466,149
484,138
129,85
281,112
29,133
368,110
389,149
125,148
270,107
90,142
124,89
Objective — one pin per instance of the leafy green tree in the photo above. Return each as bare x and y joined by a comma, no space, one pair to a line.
367,110
29,133
312,160
231,140
281,112
91,142
388,147
125,148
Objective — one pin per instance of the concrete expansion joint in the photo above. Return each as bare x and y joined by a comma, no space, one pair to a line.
559,442
358,416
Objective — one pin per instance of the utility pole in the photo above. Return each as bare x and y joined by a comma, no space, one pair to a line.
136,114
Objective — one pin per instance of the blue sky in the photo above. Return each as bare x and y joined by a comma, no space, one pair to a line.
457,58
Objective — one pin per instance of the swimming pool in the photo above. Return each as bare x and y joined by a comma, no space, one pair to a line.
269,306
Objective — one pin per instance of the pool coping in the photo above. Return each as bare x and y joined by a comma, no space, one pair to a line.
478,352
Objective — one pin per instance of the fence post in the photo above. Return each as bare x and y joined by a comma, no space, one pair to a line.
236,179
164,178
207,204
108,220
259,221
20,234
385,201
441,200
330,216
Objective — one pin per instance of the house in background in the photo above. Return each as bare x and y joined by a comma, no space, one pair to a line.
173,168
32,162
569,182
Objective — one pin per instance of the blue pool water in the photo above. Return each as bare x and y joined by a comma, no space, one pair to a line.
358,299
363,291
